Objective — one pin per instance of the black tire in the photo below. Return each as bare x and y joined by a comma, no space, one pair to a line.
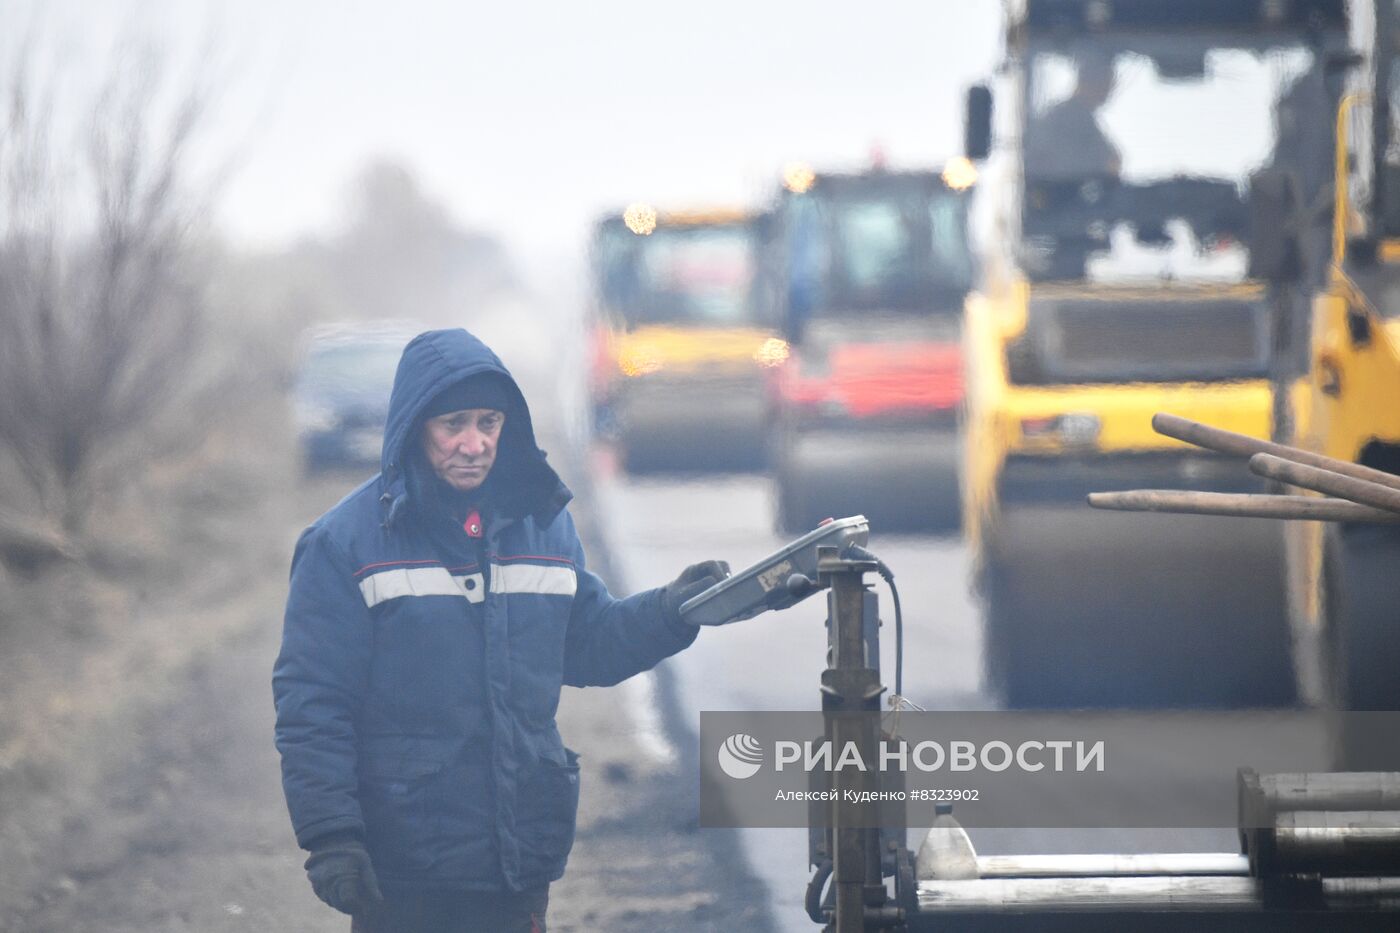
637,458
894,499
1077,620
1033,657
641,454
944,514
1009,674
1361,635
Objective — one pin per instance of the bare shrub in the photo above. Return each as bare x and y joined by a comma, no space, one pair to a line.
104,270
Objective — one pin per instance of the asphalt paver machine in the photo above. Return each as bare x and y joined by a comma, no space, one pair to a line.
1318,850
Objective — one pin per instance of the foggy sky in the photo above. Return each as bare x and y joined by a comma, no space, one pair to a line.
528,119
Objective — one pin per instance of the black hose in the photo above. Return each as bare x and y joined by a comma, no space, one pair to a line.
898,639
814,892
859,553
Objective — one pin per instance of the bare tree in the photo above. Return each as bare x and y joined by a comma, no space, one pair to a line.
102,284
403,255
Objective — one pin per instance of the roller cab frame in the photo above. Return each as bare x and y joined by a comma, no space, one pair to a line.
868,272
1123,280
1344,588
1318,850
682,346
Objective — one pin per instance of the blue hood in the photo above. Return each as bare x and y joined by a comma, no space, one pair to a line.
525,484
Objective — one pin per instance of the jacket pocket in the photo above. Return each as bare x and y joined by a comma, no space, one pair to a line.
395,794
546,816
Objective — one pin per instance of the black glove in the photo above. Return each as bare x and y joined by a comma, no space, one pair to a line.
341,874
694,580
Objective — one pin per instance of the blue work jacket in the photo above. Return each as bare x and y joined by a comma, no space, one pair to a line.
417,683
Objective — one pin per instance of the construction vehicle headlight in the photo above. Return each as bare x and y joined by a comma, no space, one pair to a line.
798,177
640,219
638,361
773,352
1079,429
959,174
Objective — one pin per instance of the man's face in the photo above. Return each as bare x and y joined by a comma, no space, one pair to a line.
461,445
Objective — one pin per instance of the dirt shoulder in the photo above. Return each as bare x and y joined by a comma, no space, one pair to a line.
140,791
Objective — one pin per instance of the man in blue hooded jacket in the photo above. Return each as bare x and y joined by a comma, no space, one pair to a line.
433,615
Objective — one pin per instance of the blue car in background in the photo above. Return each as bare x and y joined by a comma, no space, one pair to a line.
341,393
